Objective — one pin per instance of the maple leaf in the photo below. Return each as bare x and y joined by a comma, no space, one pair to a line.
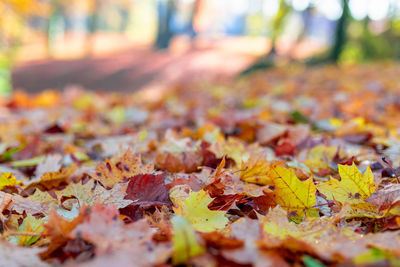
233,148
315,236
50,180
320,156
178,154
269,132
186,161
88,194
112,237
291,193
185,244
29,225
385,197
145,191
127,166
353,187
8,179
58,229
351,210
195,210
52,163
249,231
46,200
256,170
19,204
277,225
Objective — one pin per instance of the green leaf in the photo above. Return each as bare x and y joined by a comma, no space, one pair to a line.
311,262
28,162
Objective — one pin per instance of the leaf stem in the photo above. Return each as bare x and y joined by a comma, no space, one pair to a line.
390,166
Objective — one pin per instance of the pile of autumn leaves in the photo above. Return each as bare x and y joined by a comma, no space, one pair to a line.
282,174
219,219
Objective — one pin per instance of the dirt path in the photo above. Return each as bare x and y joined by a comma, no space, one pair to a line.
133,69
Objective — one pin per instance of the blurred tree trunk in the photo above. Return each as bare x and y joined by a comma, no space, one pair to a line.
195,10
93,24
278,24
166,11
340,33
52,26
306,17
269,59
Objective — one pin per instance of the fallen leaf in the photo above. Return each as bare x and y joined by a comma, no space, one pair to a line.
52,163
385,197
12,255
145,191
320,156
58,229
127,166
29,225
19,204
195,210
89,194
113,238
354,187
270,132
292,194
8,179
51,180
256,170
249,231
184,240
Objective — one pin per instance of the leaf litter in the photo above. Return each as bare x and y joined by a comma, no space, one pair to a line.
286,167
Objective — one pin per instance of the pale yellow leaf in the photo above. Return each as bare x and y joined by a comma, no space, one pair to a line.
195,210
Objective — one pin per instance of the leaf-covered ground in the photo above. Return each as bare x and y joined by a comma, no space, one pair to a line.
292,166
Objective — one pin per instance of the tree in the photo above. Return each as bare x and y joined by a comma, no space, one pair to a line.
340,33
268,60
166,10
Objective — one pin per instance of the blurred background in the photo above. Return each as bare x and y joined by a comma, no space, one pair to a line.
126,45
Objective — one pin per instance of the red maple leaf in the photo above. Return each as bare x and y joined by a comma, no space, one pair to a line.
148,191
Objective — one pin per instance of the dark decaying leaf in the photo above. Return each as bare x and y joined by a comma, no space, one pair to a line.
146,191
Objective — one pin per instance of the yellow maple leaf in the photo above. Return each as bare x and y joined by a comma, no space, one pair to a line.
292,194
276,224
320,156
185,244
8,179
195,210
319,235
257,171
353,187
233,148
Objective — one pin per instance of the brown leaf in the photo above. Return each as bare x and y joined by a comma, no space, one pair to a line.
19,204
386,197
182,162
58,229
113,239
